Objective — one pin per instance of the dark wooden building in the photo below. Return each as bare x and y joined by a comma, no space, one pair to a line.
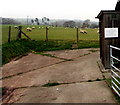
117,8
108,19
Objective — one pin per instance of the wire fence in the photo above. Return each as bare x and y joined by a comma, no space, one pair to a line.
10,33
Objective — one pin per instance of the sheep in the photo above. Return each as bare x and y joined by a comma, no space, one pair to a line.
98,31
29,29
83,31
33,27
15,27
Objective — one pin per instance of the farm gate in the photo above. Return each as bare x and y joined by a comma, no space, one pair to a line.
115,70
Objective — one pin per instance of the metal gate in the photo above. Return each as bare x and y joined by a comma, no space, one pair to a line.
115,71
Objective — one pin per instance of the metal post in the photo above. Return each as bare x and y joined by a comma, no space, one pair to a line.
111,62
111,59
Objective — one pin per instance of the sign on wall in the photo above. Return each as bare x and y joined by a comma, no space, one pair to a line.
111,32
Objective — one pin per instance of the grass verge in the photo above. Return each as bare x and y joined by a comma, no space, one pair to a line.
23,46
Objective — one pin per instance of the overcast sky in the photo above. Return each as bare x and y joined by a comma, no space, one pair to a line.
55,9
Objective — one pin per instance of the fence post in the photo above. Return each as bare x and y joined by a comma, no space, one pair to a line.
19,33
46,34
111,59
9,34
77,35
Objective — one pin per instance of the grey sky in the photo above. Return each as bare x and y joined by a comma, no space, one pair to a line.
55,9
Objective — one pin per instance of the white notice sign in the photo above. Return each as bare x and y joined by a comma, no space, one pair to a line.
111,32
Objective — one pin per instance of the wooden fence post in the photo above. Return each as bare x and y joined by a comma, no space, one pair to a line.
19,33
46,34
77,35
9,34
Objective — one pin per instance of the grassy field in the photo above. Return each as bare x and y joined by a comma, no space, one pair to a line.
54,33
5,31
60,38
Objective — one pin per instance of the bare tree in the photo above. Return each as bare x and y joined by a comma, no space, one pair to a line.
37,21
45,20
32,21
86,23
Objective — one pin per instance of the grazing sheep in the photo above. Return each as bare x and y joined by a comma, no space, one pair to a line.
29,29
15,27
33,27
98,31
83,31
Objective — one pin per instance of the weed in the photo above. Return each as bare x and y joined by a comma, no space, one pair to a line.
98,79
93,50
50,84
90,81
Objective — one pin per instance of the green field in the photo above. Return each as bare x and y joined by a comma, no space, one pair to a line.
54,33
60,38
5,31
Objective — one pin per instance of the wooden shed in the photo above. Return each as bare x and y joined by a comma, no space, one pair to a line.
108,19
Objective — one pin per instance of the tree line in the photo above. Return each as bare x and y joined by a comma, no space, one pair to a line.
8,21
81,24
58,23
